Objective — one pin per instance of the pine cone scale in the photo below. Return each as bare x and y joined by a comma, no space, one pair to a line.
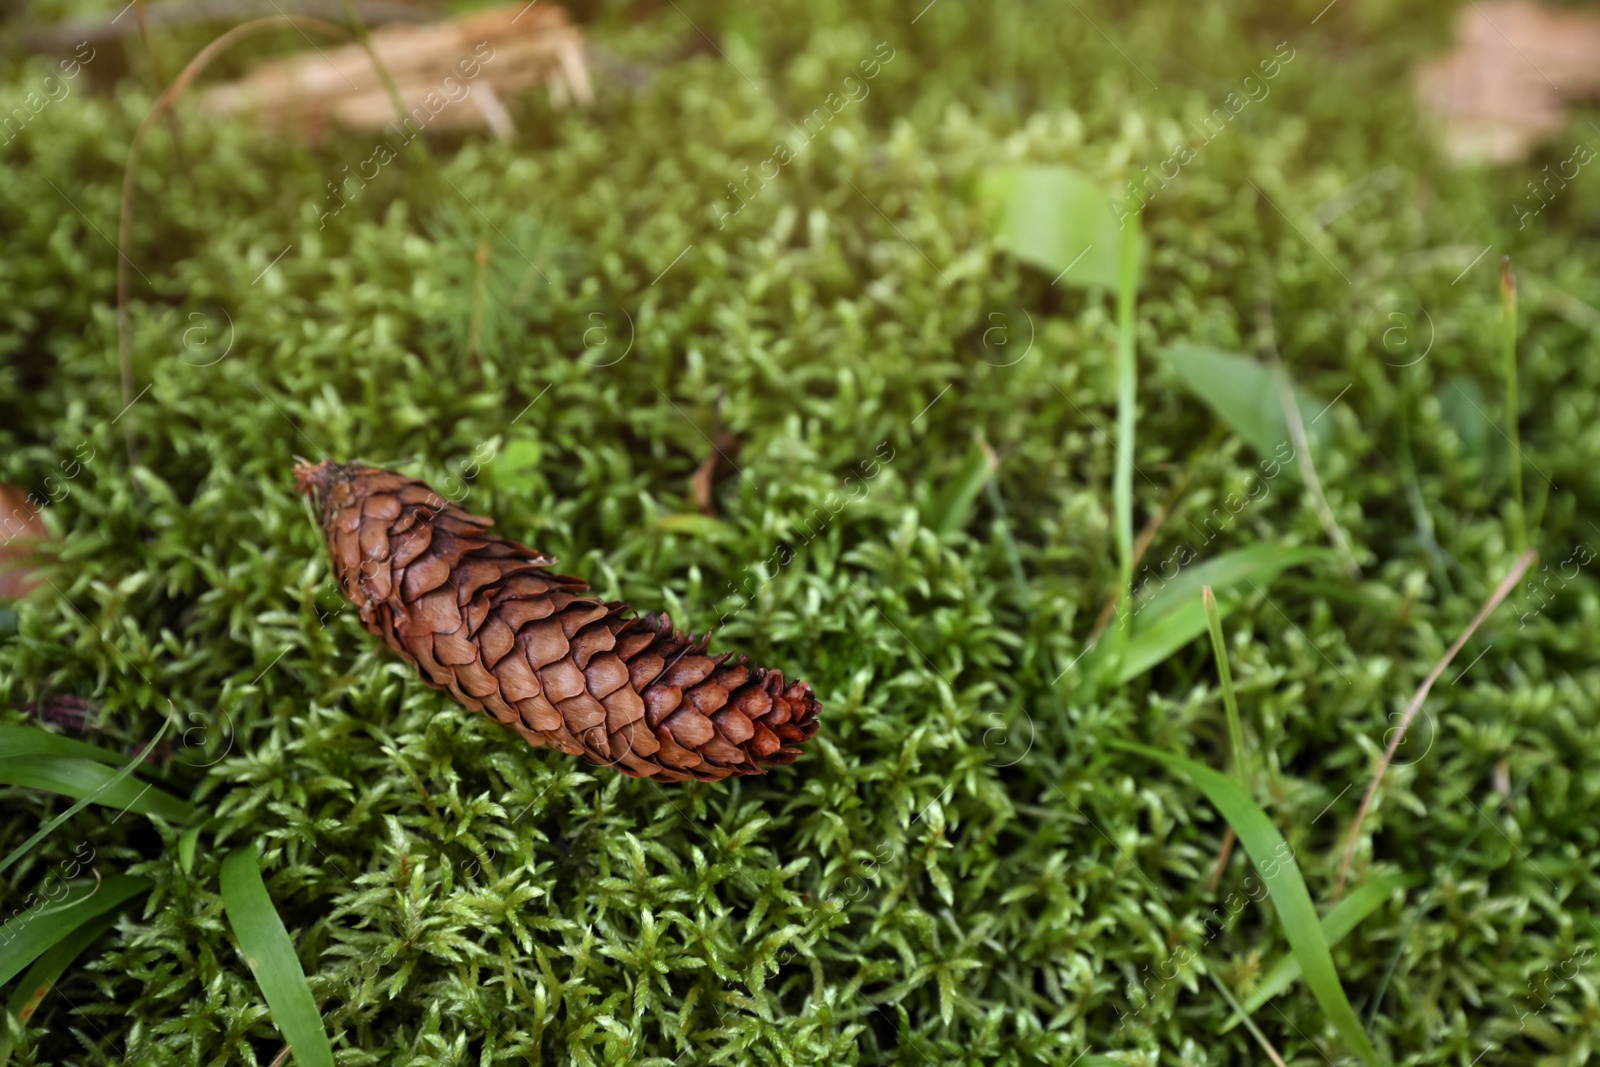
481,617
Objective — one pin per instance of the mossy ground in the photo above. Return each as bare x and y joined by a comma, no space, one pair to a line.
958,870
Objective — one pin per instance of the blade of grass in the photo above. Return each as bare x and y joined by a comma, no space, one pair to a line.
1274,860
1438,559
1055,218
1127,397
1173,616
951,509
1240,1016
1246,395
1508,347
19,741
266,947
42,977
1336,925
1008,543
1153,526
93,782
1258,563
1535,515
1230,704
27,936
1109,659
1296,425
44,831
1508,583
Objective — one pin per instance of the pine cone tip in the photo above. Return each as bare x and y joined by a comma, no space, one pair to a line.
313,479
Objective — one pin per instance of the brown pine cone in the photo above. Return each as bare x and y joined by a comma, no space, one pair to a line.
483,617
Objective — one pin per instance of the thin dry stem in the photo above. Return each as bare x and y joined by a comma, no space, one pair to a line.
1222,860
1501,591
160,71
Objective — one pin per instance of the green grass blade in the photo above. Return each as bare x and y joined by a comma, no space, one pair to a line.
1258,563
1173,616
95,783
42,977
266,947
951,509
1239,1016
1230,703
1296,914
1153,644
1127,396
44,831
28,935
20,741
1336,925
1247,395
1054,218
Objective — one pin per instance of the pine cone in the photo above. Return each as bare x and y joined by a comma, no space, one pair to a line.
483,618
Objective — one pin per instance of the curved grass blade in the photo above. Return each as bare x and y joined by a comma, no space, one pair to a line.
1173,616
1245,394
1240,1016
951,509
1338,923
265,945
42,977
26,937
1257,563
44,831
1230,706
18,741
93,782
1296,914
1230,702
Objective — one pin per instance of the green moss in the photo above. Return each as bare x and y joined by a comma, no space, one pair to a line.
914,890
